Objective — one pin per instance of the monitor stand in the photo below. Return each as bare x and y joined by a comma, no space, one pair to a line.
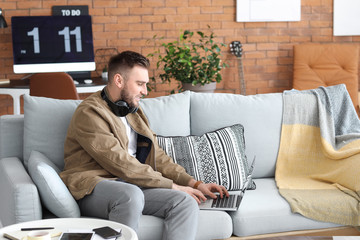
27,76
80,76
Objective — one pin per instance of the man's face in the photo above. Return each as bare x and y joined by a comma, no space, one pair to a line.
135,86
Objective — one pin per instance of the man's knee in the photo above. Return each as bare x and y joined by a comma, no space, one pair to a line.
187,202
126,205
191,203
132,198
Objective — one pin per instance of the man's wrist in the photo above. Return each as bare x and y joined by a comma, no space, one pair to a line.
196,185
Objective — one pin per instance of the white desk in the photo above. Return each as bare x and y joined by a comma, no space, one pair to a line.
17,90
66,224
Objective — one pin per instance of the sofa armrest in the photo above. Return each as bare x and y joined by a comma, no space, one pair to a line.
11,136
20,199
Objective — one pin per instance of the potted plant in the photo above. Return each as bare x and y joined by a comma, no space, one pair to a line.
192,62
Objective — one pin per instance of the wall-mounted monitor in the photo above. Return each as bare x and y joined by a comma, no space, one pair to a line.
52,44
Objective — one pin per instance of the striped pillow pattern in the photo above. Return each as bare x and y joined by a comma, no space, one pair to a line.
217,157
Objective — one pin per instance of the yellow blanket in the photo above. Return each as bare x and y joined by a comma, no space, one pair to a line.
318,166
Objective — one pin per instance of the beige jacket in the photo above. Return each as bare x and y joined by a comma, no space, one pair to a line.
96,149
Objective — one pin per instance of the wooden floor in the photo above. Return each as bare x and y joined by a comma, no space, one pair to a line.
300,238
319,234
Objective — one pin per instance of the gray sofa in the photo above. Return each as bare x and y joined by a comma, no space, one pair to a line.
42,129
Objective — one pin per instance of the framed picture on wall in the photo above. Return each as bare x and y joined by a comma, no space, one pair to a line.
346,18
268,10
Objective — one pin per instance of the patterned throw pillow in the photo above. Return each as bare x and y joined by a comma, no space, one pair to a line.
217,157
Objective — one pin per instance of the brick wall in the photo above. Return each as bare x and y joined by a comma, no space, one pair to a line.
123,25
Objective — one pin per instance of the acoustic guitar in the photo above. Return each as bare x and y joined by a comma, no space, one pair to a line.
236,49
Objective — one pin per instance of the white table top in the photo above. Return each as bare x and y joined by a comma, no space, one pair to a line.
17,88
70,224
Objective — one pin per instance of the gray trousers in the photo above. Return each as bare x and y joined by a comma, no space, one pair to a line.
125,203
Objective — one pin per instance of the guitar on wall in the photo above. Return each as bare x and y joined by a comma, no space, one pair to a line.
236,49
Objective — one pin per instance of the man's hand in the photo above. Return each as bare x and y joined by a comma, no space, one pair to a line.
209,189
196,194
202,190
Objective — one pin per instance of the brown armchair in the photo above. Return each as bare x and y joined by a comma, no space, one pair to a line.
58,85
318,65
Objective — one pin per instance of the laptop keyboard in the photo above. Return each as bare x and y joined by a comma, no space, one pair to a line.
225,202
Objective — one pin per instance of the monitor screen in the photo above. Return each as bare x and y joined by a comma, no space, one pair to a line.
52,44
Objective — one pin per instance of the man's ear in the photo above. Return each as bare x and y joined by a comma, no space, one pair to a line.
119,80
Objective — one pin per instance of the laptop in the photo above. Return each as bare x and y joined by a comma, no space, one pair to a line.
232,202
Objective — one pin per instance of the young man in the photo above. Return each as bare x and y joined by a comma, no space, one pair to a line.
114,166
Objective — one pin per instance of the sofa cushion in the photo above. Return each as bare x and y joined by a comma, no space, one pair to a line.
45,126
261,116
53,192
212,225
214,157
264,211
168,115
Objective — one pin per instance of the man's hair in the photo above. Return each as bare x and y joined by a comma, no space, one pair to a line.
123,62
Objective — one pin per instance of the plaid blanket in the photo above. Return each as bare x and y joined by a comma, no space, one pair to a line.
318,166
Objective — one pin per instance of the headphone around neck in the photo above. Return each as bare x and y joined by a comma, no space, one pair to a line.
119,108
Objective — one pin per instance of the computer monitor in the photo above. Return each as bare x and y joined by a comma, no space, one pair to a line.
52,44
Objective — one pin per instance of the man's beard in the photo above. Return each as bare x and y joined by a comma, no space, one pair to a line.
125,96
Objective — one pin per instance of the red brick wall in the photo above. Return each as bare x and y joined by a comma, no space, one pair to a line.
267,46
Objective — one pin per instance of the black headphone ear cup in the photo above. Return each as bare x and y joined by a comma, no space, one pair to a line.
119,108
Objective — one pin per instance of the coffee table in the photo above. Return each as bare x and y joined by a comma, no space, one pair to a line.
66,224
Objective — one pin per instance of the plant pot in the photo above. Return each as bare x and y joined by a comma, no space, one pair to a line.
207,88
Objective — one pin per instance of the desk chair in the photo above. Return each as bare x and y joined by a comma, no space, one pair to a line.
318,65
58,85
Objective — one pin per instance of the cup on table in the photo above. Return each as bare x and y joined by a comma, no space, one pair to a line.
38,235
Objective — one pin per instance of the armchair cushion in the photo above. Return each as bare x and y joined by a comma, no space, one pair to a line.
53,192
325,65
